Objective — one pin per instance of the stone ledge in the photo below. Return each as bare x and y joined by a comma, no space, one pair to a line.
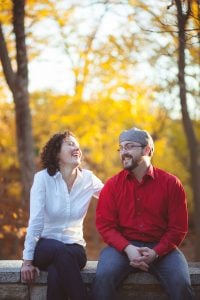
10,273
141,285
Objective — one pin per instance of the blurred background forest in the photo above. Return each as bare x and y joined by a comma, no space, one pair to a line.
96,68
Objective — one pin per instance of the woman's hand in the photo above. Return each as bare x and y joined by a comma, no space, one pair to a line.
29,272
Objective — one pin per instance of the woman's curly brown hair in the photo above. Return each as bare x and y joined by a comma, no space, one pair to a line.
49,154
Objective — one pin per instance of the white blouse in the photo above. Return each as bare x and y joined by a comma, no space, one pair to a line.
57,214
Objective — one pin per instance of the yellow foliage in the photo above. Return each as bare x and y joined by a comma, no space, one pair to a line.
7,228
21,232
96,123
8,141
14,190
195,11
5,11
114,101
15,216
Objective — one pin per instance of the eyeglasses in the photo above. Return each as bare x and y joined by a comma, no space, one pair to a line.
129,147
70,143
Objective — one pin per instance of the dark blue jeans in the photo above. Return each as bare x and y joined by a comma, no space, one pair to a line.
113,267
63,263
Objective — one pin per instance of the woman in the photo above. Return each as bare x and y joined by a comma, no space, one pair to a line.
59,200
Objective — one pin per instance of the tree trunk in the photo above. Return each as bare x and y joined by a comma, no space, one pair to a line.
21,99
24,137
18,84
187,123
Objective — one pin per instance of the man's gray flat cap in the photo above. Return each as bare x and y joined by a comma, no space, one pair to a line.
136,135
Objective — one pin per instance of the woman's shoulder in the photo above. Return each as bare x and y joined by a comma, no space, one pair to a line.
88,174
89,177
41,174
85,172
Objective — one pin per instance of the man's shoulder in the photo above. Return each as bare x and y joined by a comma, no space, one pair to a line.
165,175
119,177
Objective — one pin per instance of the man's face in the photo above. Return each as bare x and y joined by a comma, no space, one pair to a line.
131,154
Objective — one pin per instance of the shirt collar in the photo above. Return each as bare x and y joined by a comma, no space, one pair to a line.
79,173
58,174
150,172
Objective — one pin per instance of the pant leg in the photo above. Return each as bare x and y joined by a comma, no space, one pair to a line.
76,260
112,269
63,262
54,287
172,271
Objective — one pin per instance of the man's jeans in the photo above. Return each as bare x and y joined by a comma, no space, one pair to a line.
113,267
63,263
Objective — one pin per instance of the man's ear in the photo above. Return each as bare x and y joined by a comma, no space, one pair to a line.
147,150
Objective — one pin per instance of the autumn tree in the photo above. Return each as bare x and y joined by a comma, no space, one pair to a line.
181,49
112,80
184,13
17,81
172,36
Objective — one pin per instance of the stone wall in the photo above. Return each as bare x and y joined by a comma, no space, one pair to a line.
140,286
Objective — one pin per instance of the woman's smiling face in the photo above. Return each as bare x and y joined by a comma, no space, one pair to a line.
70,152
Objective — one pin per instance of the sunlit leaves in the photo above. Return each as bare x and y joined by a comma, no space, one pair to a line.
5,11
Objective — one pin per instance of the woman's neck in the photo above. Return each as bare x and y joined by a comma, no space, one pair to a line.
69,176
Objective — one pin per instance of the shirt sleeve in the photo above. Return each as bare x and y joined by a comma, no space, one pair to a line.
36,220
107,218
97,185
177,219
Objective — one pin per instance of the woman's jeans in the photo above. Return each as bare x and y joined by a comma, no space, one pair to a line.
63,263
113,267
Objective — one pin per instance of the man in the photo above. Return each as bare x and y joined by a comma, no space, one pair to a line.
142,216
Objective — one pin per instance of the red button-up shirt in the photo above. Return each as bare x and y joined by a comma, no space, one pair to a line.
153,210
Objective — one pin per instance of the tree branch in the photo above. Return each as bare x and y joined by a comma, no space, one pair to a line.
188,13
5,61
170,5
19,30
170,31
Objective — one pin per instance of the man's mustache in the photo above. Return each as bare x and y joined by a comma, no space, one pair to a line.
126,156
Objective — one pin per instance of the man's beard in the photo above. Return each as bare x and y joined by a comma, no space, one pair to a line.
131,164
